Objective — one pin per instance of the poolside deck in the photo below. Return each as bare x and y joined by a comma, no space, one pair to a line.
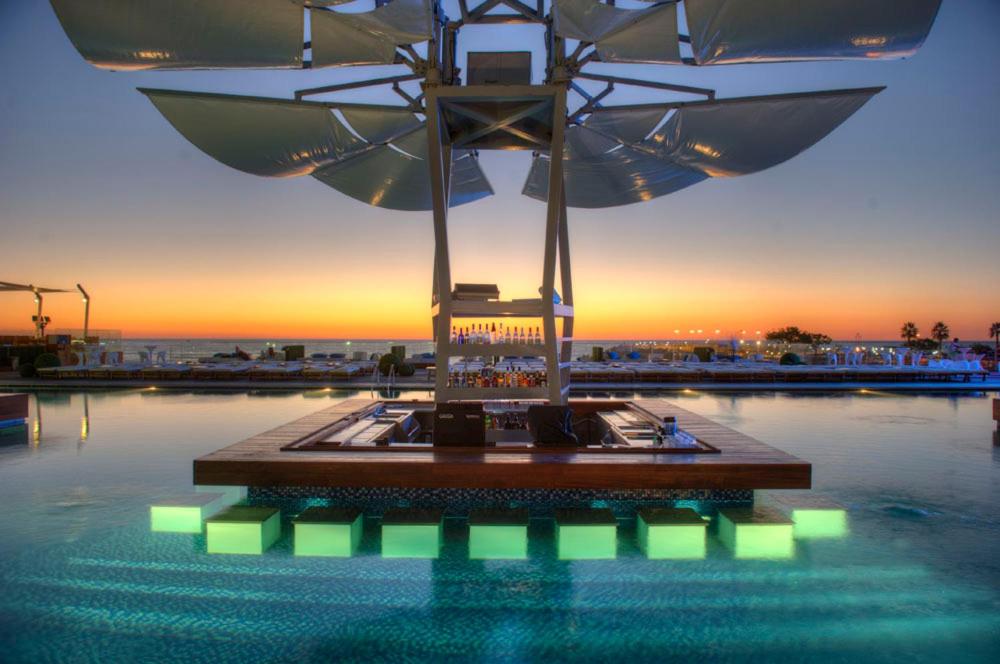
741,462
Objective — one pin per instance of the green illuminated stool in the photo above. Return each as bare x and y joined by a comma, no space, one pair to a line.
184,514
412,533
328,531
668,532
814,517
756,532
498,534
243,529
583,534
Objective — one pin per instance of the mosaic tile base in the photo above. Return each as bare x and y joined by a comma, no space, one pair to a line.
458,502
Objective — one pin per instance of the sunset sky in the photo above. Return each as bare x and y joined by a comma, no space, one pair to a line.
892,217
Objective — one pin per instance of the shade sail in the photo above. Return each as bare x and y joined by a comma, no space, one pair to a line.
620,35
285,138
620,177
616,157
737,31
272,137
742,136
185,34
396,176
626,126
378,125
368,38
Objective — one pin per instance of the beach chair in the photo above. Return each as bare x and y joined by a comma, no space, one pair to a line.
317,371
346,371
231,371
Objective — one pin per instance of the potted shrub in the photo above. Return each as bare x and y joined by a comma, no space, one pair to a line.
790,359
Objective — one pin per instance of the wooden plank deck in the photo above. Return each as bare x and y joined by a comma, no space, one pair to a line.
742,462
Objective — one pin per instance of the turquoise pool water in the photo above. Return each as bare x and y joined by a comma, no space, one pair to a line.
84,579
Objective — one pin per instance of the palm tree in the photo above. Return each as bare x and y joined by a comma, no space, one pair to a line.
940,333
909,332
995,333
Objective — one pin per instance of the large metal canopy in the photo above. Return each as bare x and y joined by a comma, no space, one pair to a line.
613,155
422,153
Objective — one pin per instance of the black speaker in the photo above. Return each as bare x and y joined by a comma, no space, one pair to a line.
552,426
459,425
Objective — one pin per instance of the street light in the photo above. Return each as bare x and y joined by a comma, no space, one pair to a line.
86,311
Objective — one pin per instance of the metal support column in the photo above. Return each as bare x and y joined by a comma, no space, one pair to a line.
439,163
554,215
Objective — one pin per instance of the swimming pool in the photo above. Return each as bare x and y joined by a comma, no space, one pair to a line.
84,579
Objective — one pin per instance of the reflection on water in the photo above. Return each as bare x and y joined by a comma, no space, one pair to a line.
913,574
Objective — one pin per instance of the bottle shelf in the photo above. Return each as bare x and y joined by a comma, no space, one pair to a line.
502,309
488,350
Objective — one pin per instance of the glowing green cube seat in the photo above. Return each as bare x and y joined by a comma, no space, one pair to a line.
184,514
412,533
586,534
668,532
498,534
328,531
243,529
756,532
814,517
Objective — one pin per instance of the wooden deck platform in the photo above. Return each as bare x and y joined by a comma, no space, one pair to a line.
741,462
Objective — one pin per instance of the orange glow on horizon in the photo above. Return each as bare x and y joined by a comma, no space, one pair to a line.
386,307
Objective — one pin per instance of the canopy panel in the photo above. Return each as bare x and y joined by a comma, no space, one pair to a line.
379,125
620,35
272,137
396,176
285,138
616,158
599,173
621,177
742,136
185,34
626,126
368,38
739,31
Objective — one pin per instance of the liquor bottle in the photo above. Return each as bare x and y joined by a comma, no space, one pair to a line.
461,338
538,335
493,334
506,336
454,336
521,337
483,337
